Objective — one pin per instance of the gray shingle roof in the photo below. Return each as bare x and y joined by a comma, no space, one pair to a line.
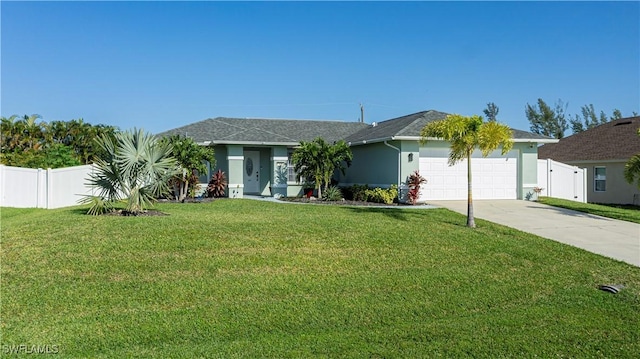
268,131
224,130
411,126
615,140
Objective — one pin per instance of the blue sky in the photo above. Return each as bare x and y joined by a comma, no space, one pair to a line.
161,65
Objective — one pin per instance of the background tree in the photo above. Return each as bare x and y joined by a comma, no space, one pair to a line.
632,168
465,135
135,167
189,156
28,143
317,161
547,121
617,114
590,118
491,111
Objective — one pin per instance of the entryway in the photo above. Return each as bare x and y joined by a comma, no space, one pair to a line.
251,175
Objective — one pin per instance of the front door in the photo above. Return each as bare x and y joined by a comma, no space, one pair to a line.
251,172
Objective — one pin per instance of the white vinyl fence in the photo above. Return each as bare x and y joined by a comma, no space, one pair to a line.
560,180
40,188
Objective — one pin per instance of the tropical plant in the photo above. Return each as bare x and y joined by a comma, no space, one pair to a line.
333,193
217,185
190,157
632,168
465,134
317,160
380,195
414,182
27,143
54,156
135,167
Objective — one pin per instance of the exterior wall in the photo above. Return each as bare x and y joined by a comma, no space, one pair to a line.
235,171
617,191
527,168
266,171
375,164
279,170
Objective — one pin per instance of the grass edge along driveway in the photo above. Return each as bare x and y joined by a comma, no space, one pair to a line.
624,213
241,278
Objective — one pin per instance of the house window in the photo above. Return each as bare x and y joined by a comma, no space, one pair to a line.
291,173
599,179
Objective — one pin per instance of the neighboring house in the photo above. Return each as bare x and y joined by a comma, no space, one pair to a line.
256,155
603,151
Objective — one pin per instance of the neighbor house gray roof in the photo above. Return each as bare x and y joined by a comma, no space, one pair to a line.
409,127
223,130
615,140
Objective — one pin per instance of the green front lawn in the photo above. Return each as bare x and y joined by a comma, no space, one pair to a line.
625,213
242,278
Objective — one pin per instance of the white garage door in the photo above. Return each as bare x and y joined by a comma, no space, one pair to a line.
493,178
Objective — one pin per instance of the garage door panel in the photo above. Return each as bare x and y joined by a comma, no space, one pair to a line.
493,178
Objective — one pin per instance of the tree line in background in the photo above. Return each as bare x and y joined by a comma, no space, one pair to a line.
27,142
553,121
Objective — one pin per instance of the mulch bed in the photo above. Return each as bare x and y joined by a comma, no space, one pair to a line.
147,213
337,203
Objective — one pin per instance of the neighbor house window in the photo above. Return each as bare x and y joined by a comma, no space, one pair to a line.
600,179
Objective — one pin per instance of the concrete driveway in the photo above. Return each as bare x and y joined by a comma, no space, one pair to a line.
609,237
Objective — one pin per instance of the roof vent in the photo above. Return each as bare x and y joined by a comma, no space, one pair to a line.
374,124
623,123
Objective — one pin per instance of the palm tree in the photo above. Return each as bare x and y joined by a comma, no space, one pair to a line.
632,168
317,160
465,135
135,167
8,133
32,131
189,156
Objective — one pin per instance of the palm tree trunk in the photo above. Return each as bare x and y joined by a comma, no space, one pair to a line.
470,220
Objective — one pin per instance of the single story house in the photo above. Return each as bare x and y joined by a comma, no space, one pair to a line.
603,151
256,155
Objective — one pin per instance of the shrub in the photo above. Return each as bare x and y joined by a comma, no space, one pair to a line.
217,185
333,193
356,192
414,182
380,195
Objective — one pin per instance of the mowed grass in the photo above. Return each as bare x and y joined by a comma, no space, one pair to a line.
247,279
622,212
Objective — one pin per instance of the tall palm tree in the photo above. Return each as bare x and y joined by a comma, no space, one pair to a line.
465,135
135,167
632,168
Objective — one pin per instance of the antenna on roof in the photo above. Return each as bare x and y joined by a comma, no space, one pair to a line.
361,113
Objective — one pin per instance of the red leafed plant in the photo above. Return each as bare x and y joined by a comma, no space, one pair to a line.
414,182
217,185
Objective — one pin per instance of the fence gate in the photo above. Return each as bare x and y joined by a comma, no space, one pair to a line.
561,180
